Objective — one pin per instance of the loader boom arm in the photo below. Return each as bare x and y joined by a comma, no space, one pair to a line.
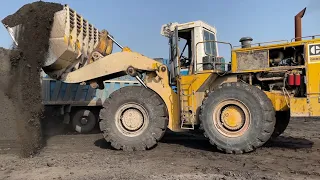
156,79
114,63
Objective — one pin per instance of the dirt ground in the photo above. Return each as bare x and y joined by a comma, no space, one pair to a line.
295,155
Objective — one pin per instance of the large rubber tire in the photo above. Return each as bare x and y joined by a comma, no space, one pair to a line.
282,122
154,125
261,119
83,115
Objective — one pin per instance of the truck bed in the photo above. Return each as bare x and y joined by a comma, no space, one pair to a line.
59,93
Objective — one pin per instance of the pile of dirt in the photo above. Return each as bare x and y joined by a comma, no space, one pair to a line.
26,59
4,66
7,110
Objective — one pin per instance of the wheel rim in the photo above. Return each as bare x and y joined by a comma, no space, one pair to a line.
131,119
231,118
84,120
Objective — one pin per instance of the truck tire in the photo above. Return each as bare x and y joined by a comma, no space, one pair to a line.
237,118
133,118
282,122
83,121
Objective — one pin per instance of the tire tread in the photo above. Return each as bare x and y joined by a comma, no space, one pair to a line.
268,122
155,130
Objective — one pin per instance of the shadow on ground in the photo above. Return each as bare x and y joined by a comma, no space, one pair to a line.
189,140
288,142
53,125
103,144
185,139
196,141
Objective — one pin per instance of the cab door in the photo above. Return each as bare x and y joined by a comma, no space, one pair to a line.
174,64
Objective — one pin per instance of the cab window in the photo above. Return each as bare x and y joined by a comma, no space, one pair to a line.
209,47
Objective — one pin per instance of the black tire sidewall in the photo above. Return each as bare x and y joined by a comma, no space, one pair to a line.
154,112
254,129
282,122
76,118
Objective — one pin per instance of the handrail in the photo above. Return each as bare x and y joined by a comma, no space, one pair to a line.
232,47
313,37
214,64
259,44
196,58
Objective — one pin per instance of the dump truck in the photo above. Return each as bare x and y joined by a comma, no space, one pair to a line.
239,105
80,104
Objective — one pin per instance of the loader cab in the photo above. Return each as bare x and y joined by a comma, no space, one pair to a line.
188,53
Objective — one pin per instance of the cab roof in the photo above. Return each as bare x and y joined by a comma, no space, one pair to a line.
166,28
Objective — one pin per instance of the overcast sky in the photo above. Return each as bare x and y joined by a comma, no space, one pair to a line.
137,23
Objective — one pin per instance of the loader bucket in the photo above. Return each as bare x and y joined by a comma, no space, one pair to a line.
13,32
72,39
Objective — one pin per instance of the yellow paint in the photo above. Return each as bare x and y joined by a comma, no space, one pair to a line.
156,65
65,39
195,80
315,59
205,71
313,77
234,63
313,74
305,107
314,105
280,45
161,86
299,107
116,62
189,85
279,101
109,46
159,82
232,116
126,49
78,44
104,45
313,83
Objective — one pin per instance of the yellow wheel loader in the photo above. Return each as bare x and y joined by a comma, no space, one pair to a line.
239,105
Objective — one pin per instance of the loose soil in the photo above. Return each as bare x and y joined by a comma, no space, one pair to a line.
24,89
294,155
7,111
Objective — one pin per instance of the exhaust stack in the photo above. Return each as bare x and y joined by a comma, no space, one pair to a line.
297,24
